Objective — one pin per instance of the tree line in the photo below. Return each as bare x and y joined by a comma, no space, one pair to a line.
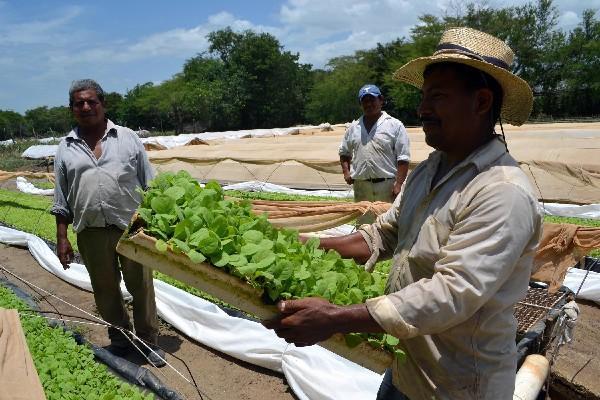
247,80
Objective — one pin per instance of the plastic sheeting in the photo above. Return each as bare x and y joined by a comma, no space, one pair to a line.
591,285
572,210
27,187
258,186
183,139
312,372
40,151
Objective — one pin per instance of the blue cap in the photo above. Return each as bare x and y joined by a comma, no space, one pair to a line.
368,90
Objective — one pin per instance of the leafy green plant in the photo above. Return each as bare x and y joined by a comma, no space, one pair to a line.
66,370
201,223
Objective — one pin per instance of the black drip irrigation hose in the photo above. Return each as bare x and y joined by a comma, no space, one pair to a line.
132,372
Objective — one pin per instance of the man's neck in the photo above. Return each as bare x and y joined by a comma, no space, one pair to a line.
457,155
94,132
370,120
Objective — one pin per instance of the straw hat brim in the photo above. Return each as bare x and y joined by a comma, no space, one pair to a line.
517,95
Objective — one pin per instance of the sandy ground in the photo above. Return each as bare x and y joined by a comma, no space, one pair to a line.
219,376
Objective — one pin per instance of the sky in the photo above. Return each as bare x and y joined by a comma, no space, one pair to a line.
45,45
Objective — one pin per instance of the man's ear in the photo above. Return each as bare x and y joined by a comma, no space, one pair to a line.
484,100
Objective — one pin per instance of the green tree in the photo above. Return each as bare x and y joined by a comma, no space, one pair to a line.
12,125
333,97
114,107
271,85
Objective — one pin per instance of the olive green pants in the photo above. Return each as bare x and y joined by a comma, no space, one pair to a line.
98,251
369,191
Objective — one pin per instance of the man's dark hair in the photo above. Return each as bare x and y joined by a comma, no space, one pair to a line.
85,84
473,79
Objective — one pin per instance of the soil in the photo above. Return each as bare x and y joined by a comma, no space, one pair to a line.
219,376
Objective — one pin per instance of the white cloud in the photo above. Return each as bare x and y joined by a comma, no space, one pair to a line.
568,19
320,30
39,32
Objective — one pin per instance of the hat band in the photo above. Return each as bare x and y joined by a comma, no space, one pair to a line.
450,48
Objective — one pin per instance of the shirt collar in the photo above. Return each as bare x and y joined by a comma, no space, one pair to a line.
382,117
480,158
111,129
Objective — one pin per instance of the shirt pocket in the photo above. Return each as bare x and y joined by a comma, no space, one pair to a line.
383,140
425,252
128,163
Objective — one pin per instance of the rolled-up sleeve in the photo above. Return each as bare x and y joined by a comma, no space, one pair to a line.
402,145
382,236
344,149
61,188
488,239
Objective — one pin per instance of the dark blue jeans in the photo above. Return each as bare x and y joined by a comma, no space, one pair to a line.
387,391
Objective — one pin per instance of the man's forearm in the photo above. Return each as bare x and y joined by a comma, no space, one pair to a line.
401,172
349,246
355,318
345,162
62,224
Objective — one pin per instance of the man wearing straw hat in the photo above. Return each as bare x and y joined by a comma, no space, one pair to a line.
462,238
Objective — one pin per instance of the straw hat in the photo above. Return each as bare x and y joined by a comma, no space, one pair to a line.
484,52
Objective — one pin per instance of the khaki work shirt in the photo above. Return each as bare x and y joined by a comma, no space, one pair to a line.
94,192
462,255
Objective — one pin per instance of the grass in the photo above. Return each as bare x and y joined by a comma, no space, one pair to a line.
30,213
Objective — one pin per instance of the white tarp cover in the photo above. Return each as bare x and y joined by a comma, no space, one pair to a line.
572,210
40,151
8,142
257,186
27,187
591,285
180,140
312,372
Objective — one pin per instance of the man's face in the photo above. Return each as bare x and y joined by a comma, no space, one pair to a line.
447,111
87,108
371,105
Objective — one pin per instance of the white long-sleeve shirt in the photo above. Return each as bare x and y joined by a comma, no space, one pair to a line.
375,153
462,254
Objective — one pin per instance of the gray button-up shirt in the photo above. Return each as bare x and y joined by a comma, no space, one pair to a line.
94,192
375,153
462,255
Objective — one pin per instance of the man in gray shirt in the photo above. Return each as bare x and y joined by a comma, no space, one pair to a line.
374,152
98,167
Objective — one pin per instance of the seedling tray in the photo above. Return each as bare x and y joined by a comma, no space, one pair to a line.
233,290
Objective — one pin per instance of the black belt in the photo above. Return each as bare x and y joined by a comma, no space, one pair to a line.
375,180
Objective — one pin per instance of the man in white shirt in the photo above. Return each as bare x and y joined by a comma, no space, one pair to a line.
374,152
